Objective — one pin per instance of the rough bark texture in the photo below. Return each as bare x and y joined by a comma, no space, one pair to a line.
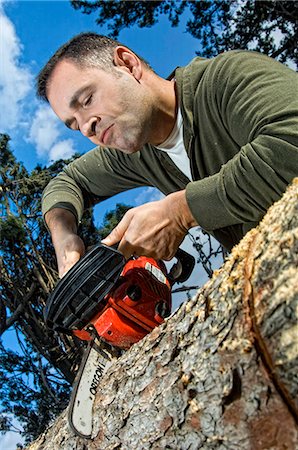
221,373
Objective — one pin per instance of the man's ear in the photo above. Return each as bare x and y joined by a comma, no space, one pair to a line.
126,60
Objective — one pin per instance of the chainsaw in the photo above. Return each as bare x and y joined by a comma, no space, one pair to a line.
110,303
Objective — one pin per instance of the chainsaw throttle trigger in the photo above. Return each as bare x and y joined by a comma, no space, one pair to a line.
181,270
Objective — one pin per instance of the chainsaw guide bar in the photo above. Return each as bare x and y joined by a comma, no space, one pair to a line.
98,358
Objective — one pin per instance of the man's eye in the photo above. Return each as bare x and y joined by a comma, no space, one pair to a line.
87,101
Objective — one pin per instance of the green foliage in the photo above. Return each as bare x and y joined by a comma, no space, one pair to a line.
219,25
34,385
24,393
111,219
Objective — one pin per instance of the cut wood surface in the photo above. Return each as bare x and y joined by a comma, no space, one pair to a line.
221,373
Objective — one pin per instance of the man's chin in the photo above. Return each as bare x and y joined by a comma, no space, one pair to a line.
128,151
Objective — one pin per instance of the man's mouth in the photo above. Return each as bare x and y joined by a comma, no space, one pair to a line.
105,135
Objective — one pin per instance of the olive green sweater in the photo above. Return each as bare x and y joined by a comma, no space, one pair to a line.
240,122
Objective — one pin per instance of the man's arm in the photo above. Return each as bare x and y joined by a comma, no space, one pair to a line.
255,100
155,229
81,184
69,247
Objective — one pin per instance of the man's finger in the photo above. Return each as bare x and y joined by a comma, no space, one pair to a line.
127,249
112,239
118,232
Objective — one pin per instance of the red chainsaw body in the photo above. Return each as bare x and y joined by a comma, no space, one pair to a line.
139,301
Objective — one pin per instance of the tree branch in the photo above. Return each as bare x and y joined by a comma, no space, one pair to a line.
19,310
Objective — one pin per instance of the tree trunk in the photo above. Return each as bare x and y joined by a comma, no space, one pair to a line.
221,373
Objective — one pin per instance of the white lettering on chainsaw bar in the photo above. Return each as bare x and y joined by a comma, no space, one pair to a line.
96,378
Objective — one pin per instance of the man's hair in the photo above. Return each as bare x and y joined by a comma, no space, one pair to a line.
85,50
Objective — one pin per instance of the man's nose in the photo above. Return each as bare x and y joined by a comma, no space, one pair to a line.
88,127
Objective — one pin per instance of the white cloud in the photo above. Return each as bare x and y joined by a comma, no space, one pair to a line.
62,150
10,440
149,194
16,80
45,132
16,83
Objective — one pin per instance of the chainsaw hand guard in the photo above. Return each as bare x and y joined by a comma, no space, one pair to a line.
79,294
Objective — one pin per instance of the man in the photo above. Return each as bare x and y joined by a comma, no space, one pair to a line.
219,138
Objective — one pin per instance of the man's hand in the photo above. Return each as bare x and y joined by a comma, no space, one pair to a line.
69,247
68,251
155,229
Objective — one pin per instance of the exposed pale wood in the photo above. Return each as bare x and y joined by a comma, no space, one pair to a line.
221,373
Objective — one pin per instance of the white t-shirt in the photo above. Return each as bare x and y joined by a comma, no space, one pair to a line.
174,147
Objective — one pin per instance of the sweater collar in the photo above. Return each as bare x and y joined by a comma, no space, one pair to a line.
185,98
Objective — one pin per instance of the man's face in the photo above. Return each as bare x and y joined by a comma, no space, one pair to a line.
110,108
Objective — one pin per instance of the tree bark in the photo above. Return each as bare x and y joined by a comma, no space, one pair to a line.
221,373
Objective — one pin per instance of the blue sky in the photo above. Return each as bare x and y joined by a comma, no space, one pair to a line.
30,31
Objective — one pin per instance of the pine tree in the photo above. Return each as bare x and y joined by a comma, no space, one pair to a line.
219,25
34,382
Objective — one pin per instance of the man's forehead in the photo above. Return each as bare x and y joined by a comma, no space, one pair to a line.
66,70
61,75
69,79
68,66
69,73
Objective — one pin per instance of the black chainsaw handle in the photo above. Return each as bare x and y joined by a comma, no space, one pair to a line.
182,270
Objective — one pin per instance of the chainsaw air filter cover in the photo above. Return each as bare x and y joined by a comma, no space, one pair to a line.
79,295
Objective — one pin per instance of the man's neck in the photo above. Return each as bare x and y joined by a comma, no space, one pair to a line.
166,112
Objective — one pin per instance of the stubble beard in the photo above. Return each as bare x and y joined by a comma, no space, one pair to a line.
136,128
134,137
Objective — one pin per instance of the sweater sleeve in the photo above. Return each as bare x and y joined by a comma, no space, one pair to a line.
257,100
90,179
